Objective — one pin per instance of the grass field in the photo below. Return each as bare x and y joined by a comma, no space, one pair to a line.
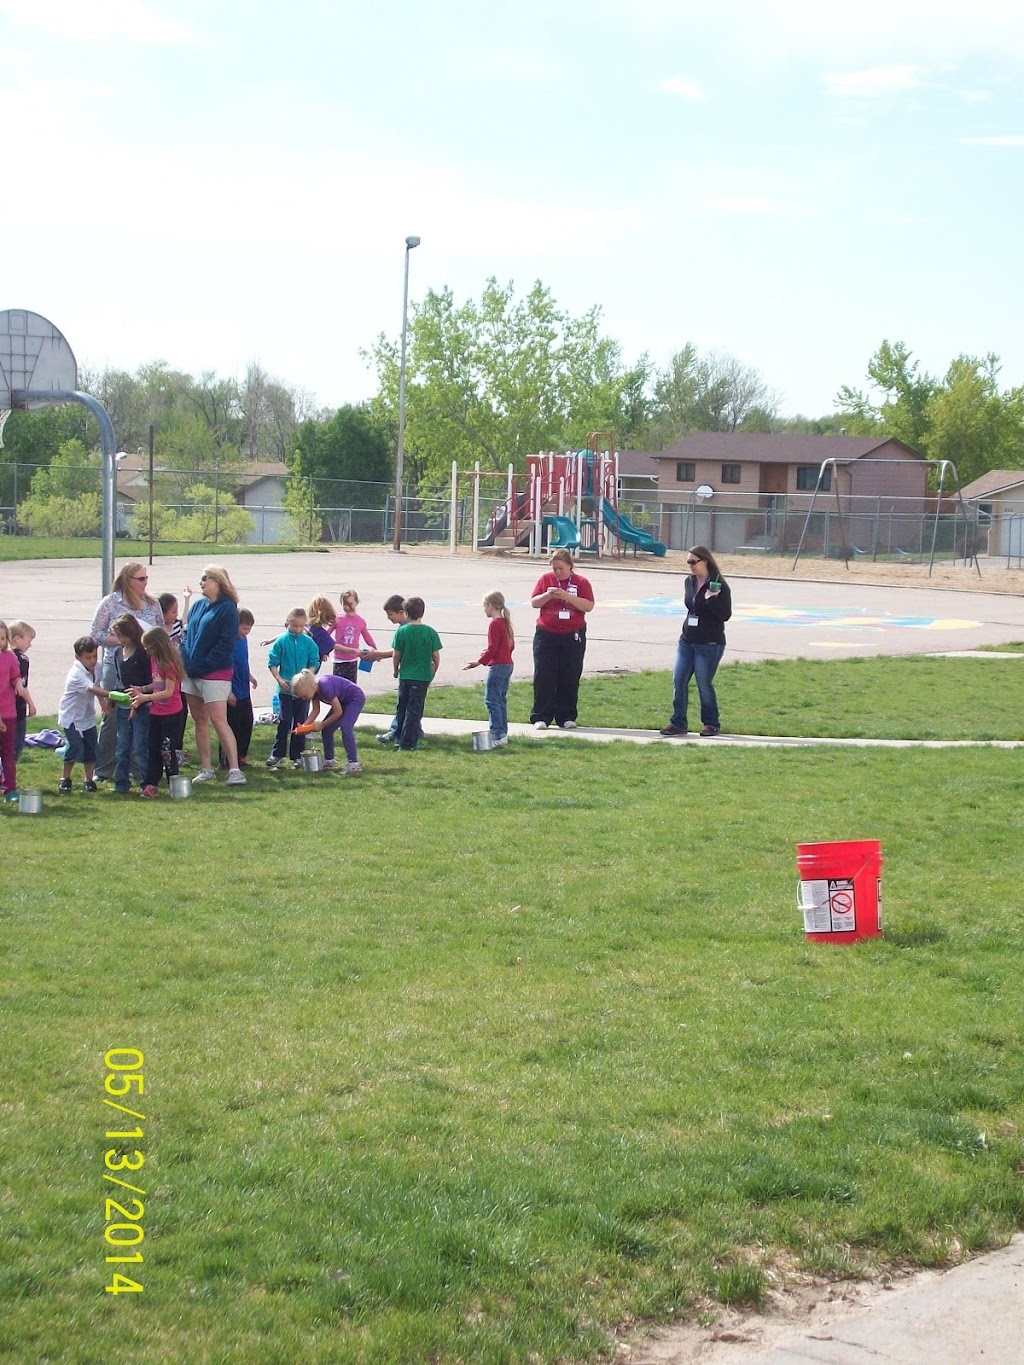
875,698
488,1057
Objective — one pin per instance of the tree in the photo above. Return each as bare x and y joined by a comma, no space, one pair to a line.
501,378
714,392
903,412
64,499
971,423
347,461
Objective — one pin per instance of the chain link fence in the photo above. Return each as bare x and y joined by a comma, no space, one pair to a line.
260,507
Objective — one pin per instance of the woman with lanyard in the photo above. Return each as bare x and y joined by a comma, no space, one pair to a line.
128,595
563,598
708,604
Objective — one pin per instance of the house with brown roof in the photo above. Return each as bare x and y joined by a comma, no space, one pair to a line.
750,491
999,497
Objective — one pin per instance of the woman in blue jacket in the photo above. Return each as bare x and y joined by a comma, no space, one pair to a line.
207,650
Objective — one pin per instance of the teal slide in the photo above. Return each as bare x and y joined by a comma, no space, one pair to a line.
621,526
564,534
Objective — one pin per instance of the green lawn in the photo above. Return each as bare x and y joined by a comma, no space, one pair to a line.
878,698
42,547
482,1057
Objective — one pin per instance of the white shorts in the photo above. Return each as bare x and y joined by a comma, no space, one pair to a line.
207,689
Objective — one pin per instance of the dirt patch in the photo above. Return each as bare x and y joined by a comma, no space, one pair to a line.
953,578
808,1306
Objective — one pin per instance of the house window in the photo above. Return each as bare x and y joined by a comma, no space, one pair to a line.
807,478
731,473
686,471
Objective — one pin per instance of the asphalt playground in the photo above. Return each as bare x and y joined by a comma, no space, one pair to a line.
635,623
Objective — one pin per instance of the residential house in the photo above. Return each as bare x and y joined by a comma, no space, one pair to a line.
999,499
745,490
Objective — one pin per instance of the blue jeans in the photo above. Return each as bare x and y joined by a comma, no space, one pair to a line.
496,698
700,661
132,751
412,698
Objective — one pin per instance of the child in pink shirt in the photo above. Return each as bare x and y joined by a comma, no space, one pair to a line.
349,629
11,688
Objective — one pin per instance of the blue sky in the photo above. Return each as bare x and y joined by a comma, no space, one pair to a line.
210,182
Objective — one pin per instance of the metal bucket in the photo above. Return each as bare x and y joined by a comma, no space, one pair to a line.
312,763
482,741
30,801
181,787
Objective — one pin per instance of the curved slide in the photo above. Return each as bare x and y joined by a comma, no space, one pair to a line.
499,520
621,526
565,535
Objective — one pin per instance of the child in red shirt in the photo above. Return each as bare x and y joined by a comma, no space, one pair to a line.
501,641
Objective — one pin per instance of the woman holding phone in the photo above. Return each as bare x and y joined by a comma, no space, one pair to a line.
708,604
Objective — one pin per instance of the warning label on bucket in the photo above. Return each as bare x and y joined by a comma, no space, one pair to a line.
828,906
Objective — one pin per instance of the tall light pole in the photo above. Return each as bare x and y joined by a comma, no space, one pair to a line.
410,243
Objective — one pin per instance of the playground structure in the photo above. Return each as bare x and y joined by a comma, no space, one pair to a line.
568,502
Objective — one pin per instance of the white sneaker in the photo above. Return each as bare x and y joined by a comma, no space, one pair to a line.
540,725
330,764
206,775
353,767
273,762
500,743
236,778
569,725
388,738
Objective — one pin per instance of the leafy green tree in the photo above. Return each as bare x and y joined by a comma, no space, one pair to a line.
712,392
501,378
906,394
972,423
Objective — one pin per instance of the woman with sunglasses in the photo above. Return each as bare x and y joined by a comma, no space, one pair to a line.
128,596
708,604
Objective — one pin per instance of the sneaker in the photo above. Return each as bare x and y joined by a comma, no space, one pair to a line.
149,793
387,738
569,725
89,786
273,763
297,764
123,791
236,778
540,725
330,764
205,775
64,785
11,797
709,731
501,742
184,758
353,767
671,729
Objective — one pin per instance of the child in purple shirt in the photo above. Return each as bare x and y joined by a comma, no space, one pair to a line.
344,701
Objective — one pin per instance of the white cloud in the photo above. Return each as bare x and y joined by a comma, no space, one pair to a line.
976,96
508,64
680,85
111,19
1004,140
871,82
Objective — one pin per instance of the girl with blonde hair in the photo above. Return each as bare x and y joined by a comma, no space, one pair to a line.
501,641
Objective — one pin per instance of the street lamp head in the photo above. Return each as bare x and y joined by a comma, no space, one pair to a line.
410,242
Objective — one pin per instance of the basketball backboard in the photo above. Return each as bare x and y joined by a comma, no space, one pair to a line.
34,358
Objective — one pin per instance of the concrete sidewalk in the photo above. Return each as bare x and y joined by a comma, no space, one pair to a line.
972,1314
438,725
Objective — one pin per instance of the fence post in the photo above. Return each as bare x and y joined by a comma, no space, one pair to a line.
216,505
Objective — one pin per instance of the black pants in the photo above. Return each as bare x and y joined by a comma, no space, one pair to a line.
557,666
347,668
163,758
240,723
294,711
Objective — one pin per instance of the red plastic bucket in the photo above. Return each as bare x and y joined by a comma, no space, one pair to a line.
840,891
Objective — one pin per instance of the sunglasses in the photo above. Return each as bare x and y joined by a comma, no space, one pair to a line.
695,561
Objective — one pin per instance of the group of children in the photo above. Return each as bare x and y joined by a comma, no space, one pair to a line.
150,709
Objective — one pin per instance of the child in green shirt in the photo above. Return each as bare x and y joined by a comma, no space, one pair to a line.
417,654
